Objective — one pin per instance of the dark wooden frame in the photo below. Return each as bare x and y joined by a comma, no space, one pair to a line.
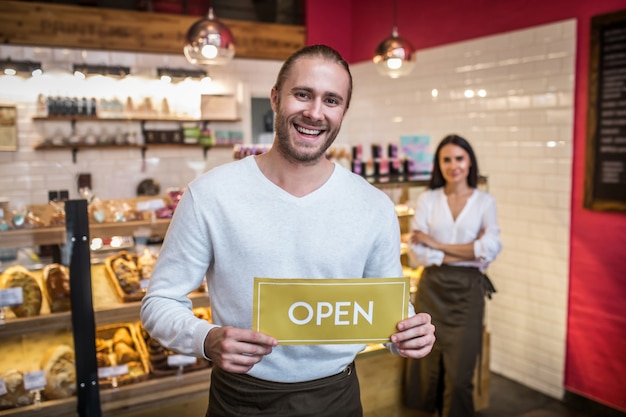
594,199
41,24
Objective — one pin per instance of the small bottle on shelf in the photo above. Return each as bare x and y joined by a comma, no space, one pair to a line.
4,226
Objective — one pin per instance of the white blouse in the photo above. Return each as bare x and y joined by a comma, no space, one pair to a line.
433,217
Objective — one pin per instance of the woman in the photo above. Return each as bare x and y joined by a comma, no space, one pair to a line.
455,236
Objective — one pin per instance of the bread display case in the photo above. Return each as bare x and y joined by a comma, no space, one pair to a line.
98,314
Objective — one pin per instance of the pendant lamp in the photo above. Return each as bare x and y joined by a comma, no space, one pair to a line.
394,56
209,42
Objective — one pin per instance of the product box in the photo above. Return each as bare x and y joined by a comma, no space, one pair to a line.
417,151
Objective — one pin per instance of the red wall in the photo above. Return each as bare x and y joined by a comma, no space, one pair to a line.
596,329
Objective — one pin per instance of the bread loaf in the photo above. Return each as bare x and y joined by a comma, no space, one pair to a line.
122,335
18,276
102,359
16,395
101,345
59,367
57,284
127,275
125,353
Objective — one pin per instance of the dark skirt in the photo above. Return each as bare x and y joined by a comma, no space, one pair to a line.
237,395
443,380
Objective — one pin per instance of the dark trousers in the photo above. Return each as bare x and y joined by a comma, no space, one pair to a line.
443,380
238,395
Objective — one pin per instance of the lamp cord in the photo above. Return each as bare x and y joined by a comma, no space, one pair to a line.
395,14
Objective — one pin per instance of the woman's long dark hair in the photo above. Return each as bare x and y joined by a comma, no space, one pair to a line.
437,180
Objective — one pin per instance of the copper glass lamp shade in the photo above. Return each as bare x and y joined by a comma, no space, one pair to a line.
209,42
394,56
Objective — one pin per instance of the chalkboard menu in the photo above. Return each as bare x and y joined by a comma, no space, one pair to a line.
605,180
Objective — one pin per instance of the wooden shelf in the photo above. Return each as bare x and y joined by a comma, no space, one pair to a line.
134,118
19,238
133,397
57,235
38,324
74,148
102,230
409,180
44,147
108,308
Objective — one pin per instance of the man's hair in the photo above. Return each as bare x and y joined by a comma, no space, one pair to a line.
437,180
314,51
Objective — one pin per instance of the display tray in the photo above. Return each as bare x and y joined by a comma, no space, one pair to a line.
107,340
157,357
128,288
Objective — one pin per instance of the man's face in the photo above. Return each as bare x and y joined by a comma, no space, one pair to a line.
310,108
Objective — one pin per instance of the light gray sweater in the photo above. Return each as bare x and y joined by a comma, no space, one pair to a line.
233,224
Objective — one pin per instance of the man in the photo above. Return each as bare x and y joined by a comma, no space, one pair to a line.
288,213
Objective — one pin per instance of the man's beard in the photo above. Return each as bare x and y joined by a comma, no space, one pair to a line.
313,151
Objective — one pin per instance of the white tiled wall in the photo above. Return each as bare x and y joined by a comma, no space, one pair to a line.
522,132
27,175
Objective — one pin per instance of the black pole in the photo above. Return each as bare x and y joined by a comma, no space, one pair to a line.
77,255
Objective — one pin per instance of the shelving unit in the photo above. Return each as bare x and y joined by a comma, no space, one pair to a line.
29,333
136,397
143,146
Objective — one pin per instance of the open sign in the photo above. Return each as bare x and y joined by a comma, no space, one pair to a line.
324,311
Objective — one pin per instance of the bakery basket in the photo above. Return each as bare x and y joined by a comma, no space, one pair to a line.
157,356
138,370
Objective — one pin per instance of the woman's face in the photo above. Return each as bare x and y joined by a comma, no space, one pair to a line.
455,164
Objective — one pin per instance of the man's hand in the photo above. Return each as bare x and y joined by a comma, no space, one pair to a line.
415,337
237,350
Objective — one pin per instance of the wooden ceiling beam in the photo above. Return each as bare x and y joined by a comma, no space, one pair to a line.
53,25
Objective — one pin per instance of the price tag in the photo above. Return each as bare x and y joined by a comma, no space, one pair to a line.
34,381
3,388
11,297
150,205
180,360
112,371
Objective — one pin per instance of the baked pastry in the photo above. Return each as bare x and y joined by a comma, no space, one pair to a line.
103,360
16,395
145,263
203,313
57,285
127,275
122,335
18,276
159,361
135,368
101,345
59,367
125,354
